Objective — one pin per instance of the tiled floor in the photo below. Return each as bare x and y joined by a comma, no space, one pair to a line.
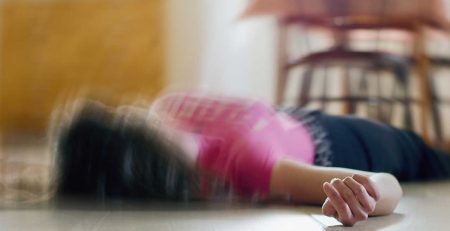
424,207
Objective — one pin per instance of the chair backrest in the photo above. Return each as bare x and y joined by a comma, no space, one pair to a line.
430,12
343,8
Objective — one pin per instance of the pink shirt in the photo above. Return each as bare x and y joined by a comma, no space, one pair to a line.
240,140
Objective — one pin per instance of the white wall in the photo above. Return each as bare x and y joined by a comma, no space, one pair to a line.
184,37
210,48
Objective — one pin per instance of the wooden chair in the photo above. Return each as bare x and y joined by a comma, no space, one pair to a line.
368,63
344,16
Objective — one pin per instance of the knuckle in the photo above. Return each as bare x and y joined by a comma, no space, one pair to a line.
332,195
372,207
361,178
360,190
347,180
327,212
345,216
335,181
361,216
347,195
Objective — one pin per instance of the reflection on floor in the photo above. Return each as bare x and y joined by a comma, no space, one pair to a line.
425,206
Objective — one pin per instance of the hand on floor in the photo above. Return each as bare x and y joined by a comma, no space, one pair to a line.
350,200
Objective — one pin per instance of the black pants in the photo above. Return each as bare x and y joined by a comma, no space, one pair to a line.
371,146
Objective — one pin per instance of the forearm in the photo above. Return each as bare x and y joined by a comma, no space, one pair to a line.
304,184
388,186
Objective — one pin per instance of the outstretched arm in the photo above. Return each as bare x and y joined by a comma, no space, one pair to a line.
343,197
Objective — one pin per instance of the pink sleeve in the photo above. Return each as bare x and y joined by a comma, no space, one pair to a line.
252,168
246,163
198,112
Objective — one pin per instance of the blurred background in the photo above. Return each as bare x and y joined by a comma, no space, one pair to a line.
387,60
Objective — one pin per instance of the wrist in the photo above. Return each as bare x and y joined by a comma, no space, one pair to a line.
390,193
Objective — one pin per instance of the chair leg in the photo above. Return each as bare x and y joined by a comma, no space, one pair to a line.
346,107
282,71
363,87
392,104
408,121
305,86
281,87
435,112
380,105
405,99
324,102
351,93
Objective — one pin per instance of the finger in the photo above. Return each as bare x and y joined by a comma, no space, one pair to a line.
349,197
367,202
342,209
369,185
328,209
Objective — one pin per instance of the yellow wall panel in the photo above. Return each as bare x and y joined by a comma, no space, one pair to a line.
51,49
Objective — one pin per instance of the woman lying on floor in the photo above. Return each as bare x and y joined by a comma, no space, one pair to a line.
192,146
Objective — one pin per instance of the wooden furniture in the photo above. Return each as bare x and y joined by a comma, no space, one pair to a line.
379,106
413,16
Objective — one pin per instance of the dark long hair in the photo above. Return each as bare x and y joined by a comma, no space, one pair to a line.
102,155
